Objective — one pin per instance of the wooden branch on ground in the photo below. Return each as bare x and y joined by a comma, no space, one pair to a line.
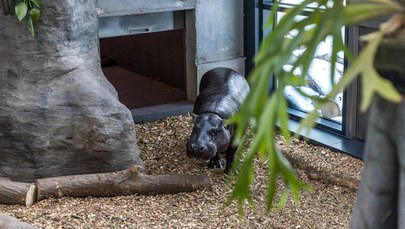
16,192
322,176
120,183
7,221
126,182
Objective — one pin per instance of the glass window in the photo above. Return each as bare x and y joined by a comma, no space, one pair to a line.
341,119
317,78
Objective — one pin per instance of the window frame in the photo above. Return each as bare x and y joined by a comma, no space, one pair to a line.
340,137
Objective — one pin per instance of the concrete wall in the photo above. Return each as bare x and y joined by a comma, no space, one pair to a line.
217,27
213,32
107,8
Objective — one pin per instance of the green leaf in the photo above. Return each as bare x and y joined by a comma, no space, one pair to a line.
31,26
307,57
283,199
21,10
37,3
372,81
283,27
271,185
357,12
265,132
375,83
272,17
241,190
284,118
263,110
337,43
34,15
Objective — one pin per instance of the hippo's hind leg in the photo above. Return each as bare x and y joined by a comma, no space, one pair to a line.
230,158
216,162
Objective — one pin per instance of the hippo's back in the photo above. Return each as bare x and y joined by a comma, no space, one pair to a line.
222,91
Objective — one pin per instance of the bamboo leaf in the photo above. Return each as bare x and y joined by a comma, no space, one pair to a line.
319,34
283,199
272,173
282,28
267,122
263,110
337,43
272,17
284,118
241,189
271,185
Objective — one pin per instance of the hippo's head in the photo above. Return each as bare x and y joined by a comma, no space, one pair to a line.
208,137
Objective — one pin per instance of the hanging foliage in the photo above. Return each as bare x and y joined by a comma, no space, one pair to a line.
263,112
29,10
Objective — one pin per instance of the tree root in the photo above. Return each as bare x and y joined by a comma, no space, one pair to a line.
321,175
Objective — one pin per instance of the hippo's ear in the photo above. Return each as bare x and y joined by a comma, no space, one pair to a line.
222,123
194,116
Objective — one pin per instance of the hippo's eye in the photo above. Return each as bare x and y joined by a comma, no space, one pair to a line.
214,132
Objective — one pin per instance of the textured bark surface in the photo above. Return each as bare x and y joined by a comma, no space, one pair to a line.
122,183
321,175
381,197
17,192
58,113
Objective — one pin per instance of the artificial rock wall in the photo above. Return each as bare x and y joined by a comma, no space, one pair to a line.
58,113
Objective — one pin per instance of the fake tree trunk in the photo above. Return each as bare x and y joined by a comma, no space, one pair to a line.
58,113
381,197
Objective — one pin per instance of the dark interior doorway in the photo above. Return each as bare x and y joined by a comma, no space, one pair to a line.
146,69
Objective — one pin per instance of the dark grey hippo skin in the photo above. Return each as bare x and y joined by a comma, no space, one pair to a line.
222,92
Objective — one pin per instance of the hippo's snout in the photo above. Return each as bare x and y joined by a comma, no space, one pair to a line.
201,151
196,148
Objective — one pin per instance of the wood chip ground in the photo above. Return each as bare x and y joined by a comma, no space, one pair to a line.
162,146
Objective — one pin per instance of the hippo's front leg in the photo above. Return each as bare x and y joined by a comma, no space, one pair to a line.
230,158
216,162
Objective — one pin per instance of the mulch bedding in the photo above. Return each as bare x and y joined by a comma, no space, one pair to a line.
162,147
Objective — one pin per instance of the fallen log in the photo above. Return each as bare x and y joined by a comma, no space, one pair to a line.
126,182
320,175
10,222
12,192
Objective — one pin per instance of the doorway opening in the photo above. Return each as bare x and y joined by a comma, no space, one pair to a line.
146,69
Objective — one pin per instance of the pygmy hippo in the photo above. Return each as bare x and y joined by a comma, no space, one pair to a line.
222,92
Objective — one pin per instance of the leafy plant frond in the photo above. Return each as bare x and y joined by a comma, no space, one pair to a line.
30,8
267,112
